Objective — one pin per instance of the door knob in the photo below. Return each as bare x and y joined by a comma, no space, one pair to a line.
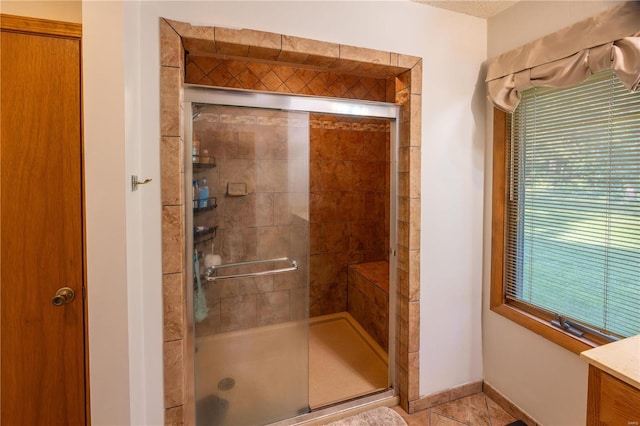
63,295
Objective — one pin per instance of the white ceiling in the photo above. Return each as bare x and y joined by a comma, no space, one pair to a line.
480,8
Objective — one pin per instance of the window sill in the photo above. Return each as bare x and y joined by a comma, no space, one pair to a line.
545,329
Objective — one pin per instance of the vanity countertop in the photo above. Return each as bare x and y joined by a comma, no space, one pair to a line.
621,359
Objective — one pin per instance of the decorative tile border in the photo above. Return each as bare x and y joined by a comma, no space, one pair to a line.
403,85
282,78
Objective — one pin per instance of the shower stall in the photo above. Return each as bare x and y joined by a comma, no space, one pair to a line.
291,250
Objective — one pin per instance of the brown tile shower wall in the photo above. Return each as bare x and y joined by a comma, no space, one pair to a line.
349,193
255,148
282,78
368,300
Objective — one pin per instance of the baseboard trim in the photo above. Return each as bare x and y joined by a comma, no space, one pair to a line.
507,405
467,389
451,394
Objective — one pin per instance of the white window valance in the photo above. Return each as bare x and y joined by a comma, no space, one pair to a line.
609,40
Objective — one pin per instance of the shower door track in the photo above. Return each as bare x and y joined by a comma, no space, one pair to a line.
311,104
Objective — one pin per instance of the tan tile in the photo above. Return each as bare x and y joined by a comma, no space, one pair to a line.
323,269
174,416
171,164
343,65
405,106
232,49
404,331
199,46
263,53
403,185
372,69
414,177
170,101
416,110
390,89
414,223
264,209
407,61
403,159
248,38
273,242
320,61
305,46
403,258
172,239
413,371
186,30
420,418
471,410
173,302
506,404
173,374
497,415
431,400
402,380
362,54
273,308
414,161
236,171
238,313
415,132
403,234
403,85
171,52
403,284
272,176
394,59
414,275
295,58
405,135
403,209
438,420
416,78
466,389
414,327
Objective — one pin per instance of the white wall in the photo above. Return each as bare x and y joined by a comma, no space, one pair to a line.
545,380
106,186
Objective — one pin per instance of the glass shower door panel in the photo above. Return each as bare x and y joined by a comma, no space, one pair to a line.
251,306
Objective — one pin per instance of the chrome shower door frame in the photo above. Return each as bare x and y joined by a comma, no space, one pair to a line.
197,94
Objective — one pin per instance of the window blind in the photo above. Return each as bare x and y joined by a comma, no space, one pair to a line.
572,243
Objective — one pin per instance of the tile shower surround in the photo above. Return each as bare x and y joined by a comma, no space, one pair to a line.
349,212
403,75
349,203
253,146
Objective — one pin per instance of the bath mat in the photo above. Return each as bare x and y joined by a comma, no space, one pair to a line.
381,416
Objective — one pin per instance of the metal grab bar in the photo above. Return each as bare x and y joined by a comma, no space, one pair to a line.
211,271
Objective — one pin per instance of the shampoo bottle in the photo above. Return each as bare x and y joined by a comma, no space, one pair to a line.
196,194
204,194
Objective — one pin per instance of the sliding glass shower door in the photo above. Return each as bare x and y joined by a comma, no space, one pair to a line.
248,176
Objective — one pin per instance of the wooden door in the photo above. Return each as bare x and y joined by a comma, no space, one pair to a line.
42,364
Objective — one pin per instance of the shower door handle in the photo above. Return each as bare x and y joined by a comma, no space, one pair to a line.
63,296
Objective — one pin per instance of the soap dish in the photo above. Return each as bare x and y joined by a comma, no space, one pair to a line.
236,189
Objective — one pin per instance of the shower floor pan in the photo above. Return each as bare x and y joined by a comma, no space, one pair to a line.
344,361
267,365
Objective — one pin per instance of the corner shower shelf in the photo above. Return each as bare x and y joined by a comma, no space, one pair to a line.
200,234
204,162
212,204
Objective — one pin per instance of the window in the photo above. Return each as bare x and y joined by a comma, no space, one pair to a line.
566,228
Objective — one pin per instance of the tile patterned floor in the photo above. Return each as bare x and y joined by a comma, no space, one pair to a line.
474,410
